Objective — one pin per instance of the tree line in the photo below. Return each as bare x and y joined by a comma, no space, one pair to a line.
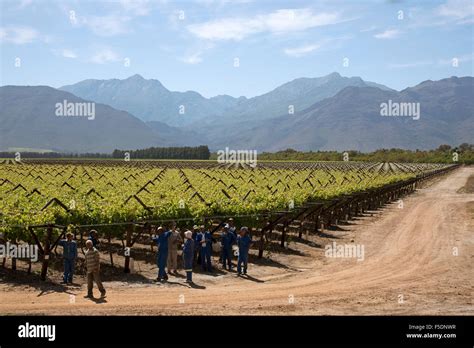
443,154
187,153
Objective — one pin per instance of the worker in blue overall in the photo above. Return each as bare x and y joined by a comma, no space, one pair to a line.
69,255
188,255
227,240
195,233
243,242
94,238
204,239
232,228
161,239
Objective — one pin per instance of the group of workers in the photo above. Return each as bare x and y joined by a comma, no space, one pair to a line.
197,247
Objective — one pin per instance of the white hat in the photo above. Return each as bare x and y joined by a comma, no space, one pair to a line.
188,234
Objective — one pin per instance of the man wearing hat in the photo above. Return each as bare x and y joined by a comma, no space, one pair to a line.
232,228
227,240
243,242
69,255
188,255
93,237
161,239
173,241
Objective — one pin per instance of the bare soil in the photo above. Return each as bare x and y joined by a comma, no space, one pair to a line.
418,261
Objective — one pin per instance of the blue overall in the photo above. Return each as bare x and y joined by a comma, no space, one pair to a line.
227,240
244,245
69,254
205,250
162,255
188,258
196,246
233,230
95,242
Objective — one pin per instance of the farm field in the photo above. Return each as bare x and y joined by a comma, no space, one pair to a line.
409,253
100,192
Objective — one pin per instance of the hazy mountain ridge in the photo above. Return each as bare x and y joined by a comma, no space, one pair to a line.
28,120
151,101
350,119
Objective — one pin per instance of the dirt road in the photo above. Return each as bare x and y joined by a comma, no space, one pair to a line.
418,260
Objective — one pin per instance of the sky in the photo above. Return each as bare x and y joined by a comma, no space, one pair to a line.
239,48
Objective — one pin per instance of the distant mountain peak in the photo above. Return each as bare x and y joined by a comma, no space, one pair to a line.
136,77
334,74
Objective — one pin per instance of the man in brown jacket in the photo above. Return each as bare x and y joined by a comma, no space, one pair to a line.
92,258
173,241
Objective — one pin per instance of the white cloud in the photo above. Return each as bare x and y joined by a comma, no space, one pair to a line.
326,44
107,25
388,34
24,3
105,56
456,9
301,51
66,53
452,12
194,57
136,7
18,35
280,21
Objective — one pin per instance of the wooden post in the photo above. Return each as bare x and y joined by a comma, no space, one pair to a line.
14,258
44,267
261,243
283,234
110,249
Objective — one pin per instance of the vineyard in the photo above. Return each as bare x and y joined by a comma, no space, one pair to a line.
41,200
101,193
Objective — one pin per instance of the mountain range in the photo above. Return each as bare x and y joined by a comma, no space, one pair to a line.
151,101
330,113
